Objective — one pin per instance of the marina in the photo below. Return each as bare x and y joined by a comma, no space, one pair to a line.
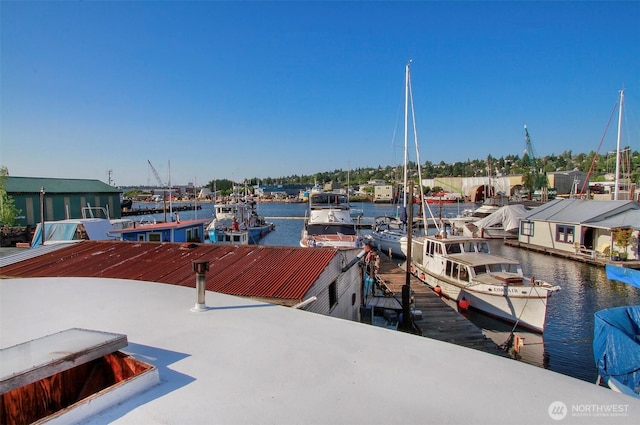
565,345
294,258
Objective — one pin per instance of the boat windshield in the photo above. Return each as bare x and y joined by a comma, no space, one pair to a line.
328,199
324,229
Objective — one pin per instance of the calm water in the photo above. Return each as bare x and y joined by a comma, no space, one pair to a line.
565,346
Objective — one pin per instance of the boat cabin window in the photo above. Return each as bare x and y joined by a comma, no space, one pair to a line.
434,248
469,247
481,269
323,229
328,199
457,271
495,268
452,269
453,248
464,274
512,268
483,247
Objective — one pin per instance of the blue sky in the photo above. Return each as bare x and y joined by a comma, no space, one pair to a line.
266,89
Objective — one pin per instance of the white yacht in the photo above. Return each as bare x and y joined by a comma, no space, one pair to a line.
464,270
329,222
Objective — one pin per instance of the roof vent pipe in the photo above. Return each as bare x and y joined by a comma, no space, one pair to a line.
200,267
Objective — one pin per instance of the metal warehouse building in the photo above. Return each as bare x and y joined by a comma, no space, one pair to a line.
62,198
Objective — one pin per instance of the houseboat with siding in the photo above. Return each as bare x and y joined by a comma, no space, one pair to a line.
175,231
464,270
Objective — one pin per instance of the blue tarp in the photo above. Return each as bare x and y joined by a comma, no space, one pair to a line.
623,274
616,345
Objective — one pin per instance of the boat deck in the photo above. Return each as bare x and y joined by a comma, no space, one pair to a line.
439,320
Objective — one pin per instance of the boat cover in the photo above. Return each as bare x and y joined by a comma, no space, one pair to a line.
65,230
616,345
509,216
623,274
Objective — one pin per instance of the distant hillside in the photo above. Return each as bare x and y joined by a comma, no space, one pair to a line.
510,165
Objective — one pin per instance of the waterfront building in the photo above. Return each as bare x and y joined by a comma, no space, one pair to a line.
54,199
581,226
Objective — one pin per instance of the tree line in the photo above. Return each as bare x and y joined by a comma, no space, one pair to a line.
598,165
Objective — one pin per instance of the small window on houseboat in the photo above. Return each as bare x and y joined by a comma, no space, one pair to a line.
564,233
495,268
526,228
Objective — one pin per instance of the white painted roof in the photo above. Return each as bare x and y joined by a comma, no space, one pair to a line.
244,362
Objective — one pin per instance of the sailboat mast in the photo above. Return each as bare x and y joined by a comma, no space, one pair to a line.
406,132
617,180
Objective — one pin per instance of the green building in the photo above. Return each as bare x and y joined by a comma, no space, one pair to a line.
62,199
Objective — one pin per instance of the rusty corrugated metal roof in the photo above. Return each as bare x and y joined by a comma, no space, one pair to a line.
285,273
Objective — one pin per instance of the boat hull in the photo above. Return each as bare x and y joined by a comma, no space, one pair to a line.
251,236
390,242
333,241
526,309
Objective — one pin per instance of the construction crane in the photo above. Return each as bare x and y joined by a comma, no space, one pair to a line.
155,173
528,150
538,178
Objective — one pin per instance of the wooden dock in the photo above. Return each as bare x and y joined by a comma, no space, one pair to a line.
582,255
438,320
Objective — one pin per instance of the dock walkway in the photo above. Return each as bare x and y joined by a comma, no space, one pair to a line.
582,255
438,319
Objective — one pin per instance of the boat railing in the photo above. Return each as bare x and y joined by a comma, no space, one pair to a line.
95,212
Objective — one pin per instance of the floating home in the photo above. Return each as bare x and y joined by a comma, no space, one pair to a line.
581,226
